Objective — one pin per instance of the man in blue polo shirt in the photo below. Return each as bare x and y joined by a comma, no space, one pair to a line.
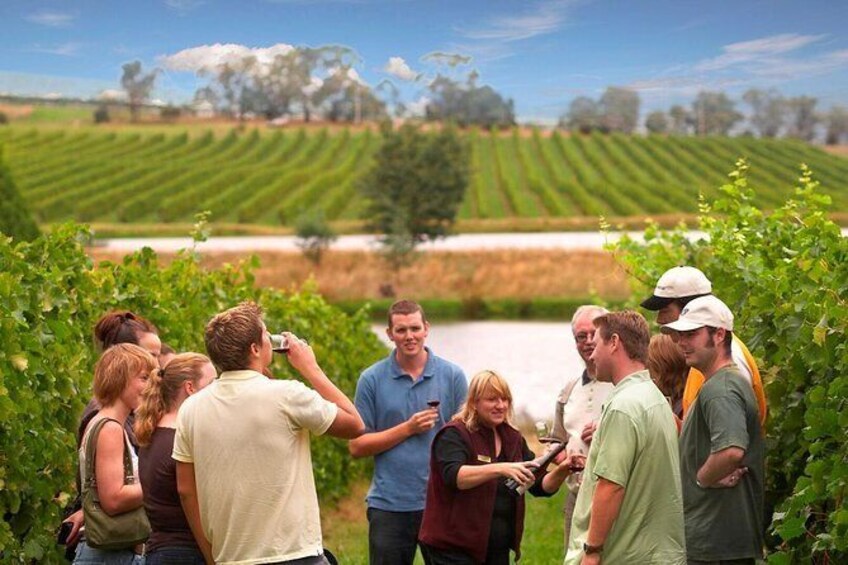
402,399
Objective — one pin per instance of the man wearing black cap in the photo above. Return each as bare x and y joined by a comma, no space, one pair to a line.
676,288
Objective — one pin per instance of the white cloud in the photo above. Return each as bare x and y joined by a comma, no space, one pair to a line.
418,107
70,49
314,86
763,62
112,95
183,6
353,75
51,19
399,68
757,50
547,17
208,57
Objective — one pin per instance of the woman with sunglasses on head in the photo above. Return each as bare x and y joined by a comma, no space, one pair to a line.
119,378
171,540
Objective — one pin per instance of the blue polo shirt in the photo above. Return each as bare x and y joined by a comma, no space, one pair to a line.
387,396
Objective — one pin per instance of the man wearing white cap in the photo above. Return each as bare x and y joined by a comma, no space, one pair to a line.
675,289
722,452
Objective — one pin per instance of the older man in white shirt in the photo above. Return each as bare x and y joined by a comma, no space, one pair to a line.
578,406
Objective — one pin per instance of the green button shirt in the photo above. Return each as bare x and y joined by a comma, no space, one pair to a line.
635,446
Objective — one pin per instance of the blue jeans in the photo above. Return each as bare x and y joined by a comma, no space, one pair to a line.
93,556
175,556
393,536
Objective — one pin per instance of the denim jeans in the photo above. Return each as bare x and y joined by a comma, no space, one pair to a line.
92,556
435,556
175,556
392,536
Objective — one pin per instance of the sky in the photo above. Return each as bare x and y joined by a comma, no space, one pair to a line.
540,53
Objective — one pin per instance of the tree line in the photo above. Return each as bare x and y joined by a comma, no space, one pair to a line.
322,82
770,115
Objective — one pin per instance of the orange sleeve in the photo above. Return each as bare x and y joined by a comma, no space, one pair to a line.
756,381
694,382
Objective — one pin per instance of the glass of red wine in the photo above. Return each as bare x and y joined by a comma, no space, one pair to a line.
434,403
279,343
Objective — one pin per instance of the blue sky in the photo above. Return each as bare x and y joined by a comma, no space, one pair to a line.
541,53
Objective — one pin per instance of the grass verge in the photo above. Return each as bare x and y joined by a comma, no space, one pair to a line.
345,529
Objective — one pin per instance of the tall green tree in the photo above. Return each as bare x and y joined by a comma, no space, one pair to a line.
415,187
836,121
713,113
657,122
138,86
802,117
680,120
15,219
583,115
469,104
619,108
768,111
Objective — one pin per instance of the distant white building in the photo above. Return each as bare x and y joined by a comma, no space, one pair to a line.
112,95
203,109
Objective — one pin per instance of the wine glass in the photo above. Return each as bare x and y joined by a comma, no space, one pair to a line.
543,432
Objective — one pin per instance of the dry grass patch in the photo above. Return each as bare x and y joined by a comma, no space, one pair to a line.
518,274
841,150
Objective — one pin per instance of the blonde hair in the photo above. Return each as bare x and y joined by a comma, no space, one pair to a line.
116,367
160,394
667,366
485,383
230,334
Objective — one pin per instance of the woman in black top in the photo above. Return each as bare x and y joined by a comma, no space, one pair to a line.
471,516
171,539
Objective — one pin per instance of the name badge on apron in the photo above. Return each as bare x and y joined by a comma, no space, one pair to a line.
484,458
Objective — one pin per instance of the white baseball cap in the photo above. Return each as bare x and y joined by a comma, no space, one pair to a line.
703,311
678,282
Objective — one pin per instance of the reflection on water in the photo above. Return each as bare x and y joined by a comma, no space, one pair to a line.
536,358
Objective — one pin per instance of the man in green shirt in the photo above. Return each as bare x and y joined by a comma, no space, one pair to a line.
629,508
721,445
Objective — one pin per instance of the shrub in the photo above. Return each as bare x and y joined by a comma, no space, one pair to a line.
4,119
101,114
50,297
785,277
170,113
314,235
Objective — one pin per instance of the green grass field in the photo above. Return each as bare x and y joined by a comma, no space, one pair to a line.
266,177
346,530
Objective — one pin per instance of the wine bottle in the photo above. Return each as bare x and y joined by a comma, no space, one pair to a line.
539,465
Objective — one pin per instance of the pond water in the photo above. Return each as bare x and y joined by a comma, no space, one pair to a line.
536,358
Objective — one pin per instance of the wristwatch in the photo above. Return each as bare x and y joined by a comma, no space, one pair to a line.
592,549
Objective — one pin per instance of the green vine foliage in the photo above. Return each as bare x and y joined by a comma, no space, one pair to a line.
785,277
50,297
15,219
